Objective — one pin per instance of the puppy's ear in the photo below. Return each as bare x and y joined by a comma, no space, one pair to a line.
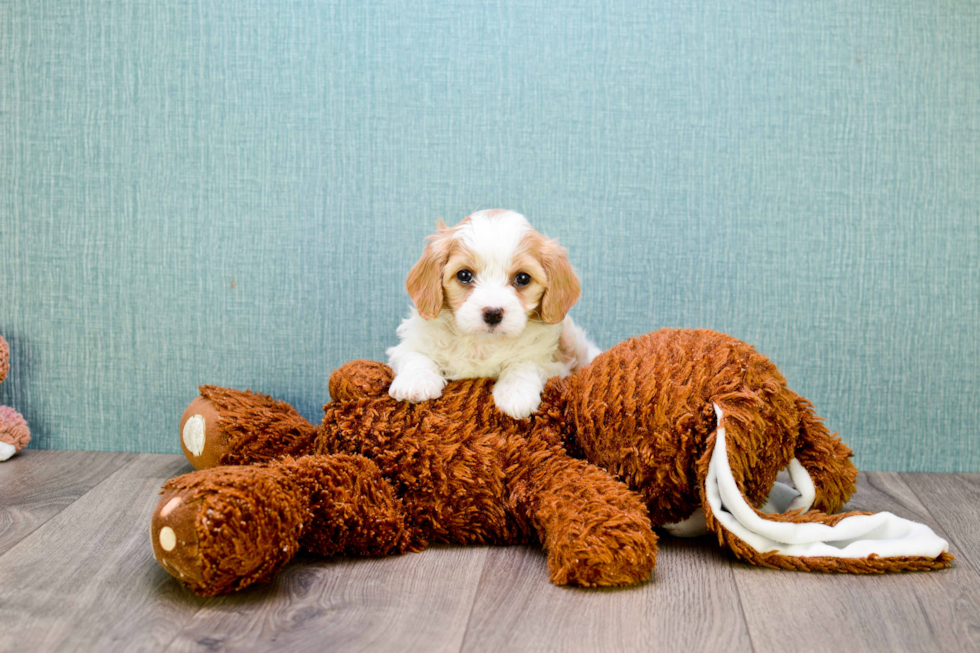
563,286
424,282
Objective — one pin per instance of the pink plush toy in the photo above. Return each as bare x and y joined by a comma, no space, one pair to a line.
14,434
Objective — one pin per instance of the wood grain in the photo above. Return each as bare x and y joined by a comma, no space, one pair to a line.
924,611
954,501
87,580
36,485
690,604
415,602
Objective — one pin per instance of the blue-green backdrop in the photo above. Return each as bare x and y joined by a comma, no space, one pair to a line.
231,192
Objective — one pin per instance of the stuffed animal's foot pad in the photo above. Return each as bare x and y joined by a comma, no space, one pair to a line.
193,434
173,533
202,441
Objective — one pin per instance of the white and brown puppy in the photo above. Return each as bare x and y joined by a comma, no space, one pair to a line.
491,296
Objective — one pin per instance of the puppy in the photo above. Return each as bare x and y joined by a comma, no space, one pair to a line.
490,300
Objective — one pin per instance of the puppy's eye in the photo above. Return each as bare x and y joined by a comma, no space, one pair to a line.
464,276
522,279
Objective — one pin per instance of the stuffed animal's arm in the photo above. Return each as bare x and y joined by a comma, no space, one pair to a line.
233,427
223,426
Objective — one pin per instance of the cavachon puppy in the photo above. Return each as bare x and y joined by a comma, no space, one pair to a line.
491,298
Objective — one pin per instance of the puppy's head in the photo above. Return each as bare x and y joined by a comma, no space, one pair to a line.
494,273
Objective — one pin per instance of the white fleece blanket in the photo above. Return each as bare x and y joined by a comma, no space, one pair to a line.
883,534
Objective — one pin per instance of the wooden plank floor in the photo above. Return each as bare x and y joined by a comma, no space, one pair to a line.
77,573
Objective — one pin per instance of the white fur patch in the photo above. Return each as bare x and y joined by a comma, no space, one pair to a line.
458,355
518,390
494,239
416,378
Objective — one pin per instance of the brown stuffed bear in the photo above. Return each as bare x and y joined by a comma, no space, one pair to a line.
381,476
14,434
696,423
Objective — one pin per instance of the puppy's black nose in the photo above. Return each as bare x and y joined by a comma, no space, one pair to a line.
493,316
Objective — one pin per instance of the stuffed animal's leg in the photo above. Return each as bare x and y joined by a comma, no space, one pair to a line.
806,540
233,427
222,529
595,530
826,459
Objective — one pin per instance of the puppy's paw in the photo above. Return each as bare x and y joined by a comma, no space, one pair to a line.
516,399
416,386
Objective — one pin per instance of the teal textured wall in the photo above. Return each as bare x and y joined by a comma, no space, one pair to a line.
232,192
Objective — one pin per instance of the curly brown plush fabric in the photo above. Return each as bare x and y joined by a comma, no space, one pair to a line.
249,422
454,470
644,411
380,476
236,525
